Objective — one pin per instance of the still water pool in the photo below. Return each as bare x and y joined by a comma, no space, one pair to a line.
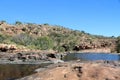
92,56
14,71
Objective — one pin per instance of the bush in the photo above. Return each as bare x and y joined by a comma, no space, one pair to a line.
43,43
45,24
59,48
59,38
18,23
23,39
118,45
5,39
2,38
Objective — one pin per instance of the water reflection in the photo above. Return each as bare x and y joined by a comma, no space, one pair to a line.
13,71
92,56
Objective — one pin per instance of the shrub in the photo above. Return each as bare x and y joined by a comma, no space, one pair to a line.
43,43
59,49
118,45
2,38
59,38
18,23
5,39
23,39
45,24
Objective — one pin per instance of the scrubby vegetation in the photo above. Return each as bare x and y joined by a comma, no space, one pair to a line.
118,44
43,43
54,37
23,39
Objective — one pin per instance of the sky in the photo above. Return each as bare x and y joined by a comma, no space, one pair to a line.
100,17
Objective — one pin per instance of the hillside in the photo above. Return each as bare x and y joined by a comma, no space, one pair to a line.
52,37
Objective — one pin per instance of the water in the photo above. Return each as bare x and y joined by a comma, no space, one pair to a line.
92,56
14,71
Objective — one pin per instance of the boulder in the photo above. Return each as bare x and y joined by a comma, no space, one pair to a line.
6,47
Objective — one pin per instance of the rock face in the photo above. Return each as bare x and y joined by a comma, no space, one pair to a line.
102,50
5,47
55,58
97,45
30,58
78,71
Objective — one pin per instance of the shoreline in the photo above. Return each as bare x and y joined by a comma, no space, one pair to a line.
57,66
35,57
77,70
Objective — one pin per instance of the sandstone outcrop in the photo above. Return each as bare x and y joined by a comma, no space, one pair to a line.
6,47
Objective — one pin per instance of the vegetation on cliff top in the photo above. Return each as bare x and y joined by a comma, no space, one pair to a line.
54,37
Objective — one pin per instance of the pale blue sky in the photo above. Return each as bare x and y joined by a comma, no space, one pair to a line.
101,17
